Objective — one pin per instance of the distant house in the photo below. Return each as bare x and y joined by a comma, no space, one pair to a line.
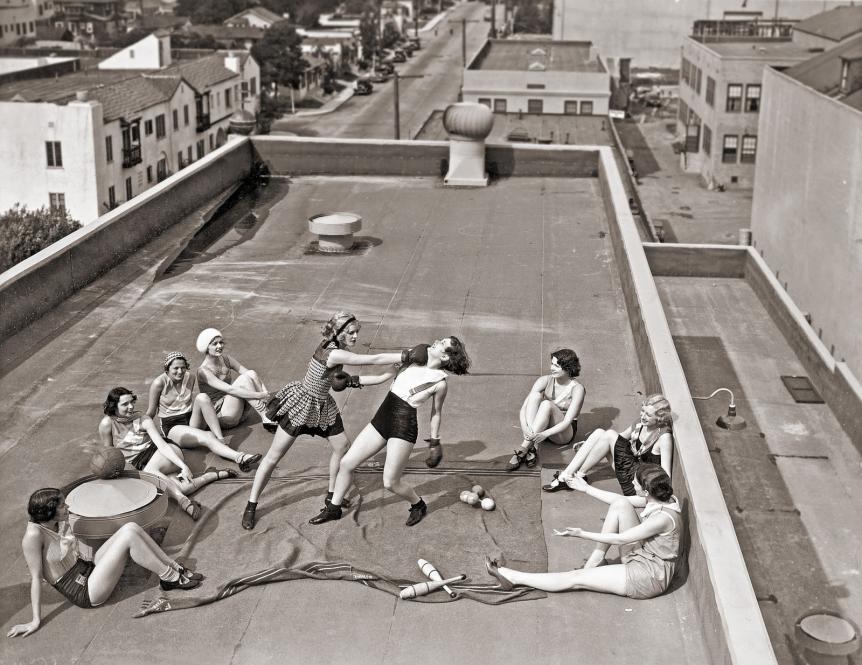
243,37
91,20
21,19
341,47
254,17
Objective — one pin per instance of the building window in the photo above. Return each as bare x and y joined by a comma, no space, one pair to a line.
112,198
752,98
710,91
109,149
749,149
244,90
534,106
148,127
212,142
149,174
57,201
698,79
586,108
200,148
186,115
253,86
707,140
485,101
189,153
734,97
728,153
684,72
176,120
535,86
180,160
227,98
692,135
682,116
54,154
499,106
162,169
129,193
570,107
160,126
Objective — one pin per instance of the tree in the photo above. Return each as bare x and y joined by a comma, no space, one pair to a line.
390,35
368,32
193,40
211,11
122,40
280,56
24,232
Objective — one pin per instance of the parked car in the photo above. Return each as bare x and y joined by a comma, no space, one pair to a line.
415,42
379,77
362,86
399,56
386,68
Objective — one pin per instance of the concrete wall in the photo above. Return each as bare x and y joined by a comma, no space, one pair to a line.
730,618
41,282
811,235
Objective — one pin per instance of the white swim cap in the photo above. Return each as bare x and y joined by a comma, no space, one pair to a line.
206,337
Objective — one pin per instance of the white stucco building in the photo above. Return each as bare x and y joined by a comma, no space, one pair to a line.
538,76
96,138
18,19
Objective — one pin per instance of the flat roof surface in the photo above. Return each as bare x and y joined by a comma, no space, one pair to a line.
537,55
516,270
538,127
758,50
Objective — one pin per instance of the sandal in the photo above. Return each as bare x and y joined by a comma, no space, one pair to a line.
193,510
492,566
532,458
516,460
247,461
222,474
556,484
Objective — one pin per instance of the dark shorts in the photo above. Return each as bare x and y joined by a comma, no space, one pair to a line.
168,423
74,584
298,430
140,460
396,419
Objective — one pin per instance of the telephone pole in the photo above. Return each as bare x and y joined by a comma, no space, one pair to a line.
397,101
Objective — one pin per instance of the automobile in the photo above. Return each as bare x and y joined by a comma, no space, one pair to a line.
415,42
379,77
362,86
399,56
386,68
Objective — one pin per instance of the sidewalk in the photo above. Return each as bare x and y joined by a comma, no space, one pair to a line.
329,107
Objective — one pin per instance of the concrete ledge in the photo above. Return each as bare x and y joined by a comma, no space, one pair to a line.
42,281
678,260
730,617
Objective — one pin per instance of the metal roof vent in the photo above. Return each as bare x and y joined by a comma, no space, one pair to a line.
468,124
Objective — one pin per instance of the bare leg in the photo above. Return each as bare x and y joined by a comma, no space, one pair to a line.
232,407
204,413
340,444
595,449
281,443
607,579
397,455
368,443
159,465
621,515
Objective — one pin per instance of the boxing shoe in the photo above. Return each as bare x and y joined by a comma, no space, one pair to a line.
329,513
183,583
492,566
248,517
417,512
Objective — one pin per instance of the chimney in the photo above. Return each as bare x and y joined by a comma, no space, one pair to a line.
231,62
468,124
82,95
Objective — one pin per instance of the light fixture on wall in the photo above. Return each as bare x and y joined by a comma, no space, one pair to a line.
730,420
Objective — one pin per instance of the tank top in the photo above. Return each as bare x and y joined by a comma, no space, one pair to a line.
564,400
223,373
131,438
413,380
174,400
664,545
61,554
639,449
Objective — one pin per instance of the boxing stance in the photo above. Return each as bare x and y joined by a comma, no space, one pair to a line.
51,552
395,427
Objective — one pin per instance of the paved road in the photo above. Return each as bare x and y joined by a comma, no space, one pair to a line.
439,63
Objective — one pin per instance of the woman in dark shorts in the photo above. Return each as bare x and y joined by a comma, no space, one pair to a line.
51,552
183,414
395,427
144,448
306,407
649,543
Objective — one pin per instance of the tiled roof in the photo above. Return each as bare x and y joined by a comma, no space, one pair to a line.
260,12
126,99
201,73
836,24
823,72
226,32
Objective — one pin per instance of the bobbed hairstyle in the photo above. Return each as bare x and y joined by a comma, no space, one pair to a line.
458,361
337,324
43,504
569,361
654,480
113,399
663,413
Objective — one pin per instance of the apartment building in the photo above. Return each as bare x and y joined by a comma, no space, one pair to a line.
93,139
92,20
19,19
720,96
538,76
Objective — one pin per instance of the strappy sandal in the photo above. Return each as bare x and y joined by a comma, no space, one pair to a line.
248,461
492,566
221,474
556,484
516,460
531,458
193,510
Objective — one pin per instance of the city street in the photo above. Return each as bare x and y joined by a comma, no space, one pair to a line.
439,61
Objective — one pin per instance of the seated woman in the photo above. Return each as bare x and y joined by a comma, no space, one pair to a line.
228,384
648,441
137,436
550,411
395,427
51,552
649,543
182,414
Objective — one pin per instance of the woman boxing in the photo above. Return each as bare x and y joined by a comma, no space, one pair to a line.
51,553
649,543
550,411
182,414
395,427
306,407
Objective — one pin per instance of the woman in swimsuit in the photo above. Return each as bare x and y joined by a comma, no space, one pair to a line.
183,415
395,427
649,543
51,552
144,448
306,407
551,408
228,384
648,441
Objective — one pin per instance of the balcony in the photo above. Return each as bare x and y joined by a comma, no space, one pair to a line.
131,156
203,122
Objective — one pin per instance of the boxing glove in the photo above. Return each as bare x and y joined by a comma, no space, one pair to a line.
418,355
341,380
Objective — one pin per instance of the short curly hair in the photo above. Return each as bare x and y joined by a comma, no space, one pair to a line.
569,361
43,504
654,480
458,361
113,399
337,324
663,413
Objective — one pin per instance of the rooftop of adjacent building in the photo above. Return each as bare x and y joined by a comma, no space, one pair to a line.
836,24
537,55
755,49
824,73
260,12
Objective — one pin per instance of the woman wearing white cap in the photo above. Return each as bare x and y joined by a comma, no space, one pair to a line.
227,383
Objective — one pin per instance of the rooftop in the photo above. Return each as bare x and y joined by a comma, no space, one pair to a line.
261,12
757,49
836,24
823,72
536,55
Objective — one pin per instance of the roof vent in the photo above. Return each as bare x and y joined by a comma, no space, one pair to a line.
536,67
538,51
468,125
82,95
